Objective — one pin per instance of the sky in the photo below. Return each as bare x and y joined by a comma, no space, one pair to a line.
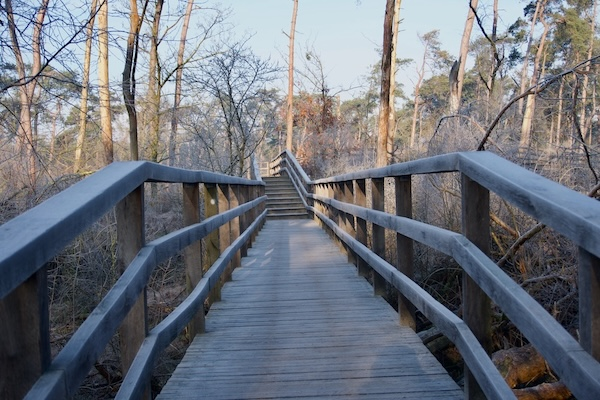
346,33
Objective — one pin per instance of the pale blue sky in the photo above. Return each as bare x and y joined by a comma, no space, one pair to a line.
346,33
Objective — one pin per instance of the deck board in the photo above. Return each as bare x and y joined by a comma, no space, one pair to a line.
297,322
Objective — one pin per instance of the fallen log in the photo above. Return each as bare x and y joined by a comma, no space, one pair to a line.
544,391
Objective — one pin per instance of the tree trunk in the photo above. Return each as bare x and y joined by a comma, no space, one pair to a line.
178,79
525,141
495,61
455,96
290,94
421,74
83,108
154,75
128,84
525,67
392,117
560,111
27,86
103,83
386,75
587,133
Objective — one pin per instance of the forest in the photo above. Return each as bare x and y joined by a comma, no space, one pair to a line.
84,83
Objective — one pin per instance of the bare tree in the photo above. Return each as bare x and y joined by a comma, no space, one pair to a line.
290,94
178,82
27,84
235,82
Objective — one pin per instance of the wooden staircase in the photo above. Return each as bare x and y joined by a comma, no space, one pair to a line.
283,200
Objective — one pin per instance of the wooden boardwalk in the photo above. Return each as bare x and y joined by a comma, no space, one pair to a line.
297,322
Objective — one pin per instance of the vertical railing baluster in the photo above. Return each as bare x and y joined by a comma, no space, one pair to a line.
378,203
130,239
404,247
476,305
360,199
589,302
193,253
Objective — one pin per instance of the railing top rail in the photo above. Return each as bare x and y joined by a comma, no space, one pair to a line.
296,165
571,213
31,239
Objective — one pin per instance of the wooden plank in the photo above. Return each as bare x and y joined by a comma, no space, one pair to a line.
289,328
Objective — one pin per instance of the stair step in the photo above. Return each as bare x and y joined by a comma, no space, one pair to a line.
283,200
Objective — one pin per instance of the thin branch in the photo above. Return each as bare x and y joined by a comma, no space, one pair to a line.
538,88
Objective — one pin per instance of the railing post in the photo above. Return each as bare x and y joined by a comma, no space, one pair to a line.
589,302
339,217
476,305
211,241
243,199
350,220
360,199
193,253
378,203
234,224
225,229
130,239
404,248
25,334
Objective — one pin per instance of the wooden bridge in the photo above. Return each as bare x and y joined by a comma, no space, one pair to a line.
297,319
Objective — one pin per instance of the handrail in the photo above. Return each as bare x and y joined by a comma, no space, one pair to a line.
31,239
54,223
572,214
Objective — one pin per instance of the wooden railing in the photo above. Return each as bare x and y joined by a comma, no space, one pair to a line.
234,211
339,203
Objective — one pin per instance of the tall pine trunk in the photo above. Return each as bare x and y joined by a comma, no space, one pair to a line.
103,84
386,76
456,91
83,108
290,94
178,79
526,125
128,84
392,115
154,87
27,87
